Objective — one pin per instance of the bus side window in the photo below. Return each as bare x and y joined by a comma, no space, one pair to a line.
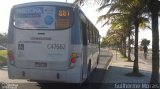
88,33
91,33
97,37
84,33
94,35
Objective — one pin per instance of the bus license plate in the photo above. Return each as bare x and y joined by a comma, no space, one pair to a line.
40,64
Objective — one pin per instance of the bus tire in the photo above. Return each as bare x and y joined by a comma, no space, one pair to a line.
88,73
89,68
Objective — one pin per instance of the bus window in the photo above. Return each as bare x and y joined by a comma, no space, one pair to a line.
97,37
92,32
84,35
94,35
43,17
88,33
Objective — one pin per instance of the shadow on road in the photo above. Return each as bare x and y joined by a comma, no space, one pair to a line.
93,82
115,78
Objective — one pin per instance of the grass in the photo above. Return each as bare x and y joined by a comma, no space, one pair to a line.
3,59
3,54
119,55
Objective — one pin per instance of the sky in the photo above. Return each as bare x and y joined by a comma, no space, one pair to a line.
89,11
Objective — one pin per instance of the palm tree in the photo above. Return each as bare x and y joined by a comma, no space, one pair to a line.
145,42
114,36
118,25
138,7
126,24
129,45
155,41
137,10
134,9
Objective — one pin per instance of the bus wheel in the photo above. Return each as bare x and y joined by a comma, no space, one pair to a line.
89,67
88,73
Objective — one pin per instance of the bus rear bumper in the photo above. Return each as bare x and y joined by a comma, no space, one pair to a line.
68,76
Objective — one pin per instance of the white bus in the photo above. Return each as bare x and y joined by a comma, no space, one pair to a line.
51,41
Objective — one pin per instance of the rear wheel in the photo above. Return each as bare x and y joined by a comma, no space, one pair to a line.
89,70
88,73
97,59
89,67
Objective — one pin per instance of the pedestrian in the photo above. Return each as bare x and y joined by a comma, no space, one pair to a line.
145,48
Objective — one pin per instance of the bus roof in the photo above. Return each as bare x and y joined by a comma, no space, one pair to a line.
44,3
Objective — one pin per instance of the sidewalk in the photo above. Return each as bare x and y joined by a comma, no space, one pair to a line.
104,62
104,59
115,77
139,58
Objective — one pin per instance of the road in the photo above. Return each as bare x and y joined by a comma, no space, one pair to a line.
94,81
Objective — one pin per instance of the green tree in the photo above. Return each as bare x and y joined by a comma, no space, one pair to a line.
145,42
104,42
118,30
134,10
3,39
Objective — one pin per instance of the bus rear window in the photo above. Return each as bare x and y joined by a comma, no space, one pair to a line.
43,17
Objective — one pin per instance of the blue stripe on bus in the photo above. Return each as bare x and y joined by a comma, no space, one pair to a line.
75,35
75,31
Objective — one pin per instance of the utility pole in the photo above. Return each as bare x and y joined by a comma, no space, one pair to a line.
66,1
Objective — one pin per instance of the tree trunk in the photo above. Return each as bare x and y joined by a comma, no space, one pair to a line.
135,66
129,46
121,47
124,47
155,43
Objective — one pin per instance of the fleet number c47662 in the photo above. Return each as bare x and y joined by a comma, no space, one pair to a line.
56,46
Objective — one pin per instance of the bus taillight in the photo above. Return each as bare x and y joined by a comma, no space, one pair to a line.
73,60
11,57
73,57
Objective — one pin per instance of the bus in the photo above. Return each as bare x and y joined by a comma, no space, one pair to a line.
51,41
